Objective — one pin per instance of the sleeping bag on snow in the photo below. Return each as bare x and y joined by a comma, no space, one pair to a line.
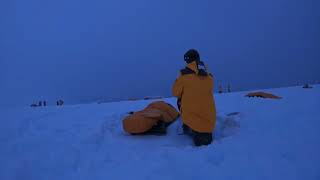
143,121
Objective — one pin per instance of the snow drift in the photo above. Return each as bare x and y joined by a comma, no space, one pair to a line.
254,139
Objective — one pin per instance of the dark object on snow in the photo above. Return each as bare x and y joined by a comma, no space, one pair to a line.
229,88
199,139
233,114
60,102
155,97
202,139
39,104
160,129
263,95
307,86
220,90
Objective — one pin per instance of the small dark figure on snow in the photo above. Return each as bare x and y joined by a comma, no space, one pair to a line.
220,89
229,88
40,103
44,103
60,102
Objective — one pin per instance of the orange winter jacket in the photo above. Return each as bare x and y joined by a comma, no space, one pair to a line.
197,101
144,120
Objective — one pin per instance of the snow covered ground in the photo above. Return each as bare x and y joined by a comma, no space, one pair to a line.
255,139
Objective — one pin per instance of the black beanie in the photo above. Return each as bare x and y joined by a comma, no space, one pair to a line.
191,55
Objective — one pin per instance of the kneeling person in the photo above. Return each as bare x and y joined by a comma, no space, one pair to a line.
194,90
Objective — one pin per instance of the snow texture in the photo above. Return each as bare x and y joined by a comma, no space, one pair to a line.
254,139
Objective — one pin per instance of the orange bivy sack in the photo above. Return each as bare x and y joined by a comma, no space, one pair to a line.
144,120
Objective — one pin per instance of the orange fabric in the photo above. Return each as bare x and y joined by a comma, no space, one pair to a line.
138,123
198,109
144,120
263,95
168,112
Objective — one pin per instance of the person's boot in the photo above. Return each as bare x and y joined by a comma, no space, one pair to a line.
201,139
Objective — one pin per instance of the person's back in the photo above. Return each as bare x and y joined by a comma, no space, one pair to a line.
194,89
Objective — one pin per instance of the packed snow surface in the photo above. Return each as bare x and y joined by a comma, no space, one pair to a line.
255,139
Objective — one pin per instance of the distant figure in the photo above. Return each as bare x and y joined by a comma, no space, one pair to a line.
220,89
194,90
307,86
34,105
44,103
60,102
40,103
229,88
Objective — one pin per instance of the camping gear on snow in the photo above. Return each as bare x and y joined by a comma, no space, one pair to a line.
263,95
152,120
194,90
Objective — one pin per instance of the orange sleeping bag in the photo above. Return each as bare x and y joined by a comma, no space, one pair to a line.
142,121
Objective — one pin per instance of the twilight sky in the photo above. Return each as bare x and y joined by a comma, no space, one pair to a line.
84,50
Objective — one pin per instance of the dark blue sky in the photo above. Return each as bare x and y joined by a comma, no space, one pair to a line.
82,50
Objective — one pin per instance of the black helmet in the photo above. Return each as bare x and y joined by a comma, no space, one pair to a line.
191,55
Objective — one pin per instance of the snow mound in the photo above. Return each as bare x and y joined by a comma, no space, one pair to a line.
254,139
